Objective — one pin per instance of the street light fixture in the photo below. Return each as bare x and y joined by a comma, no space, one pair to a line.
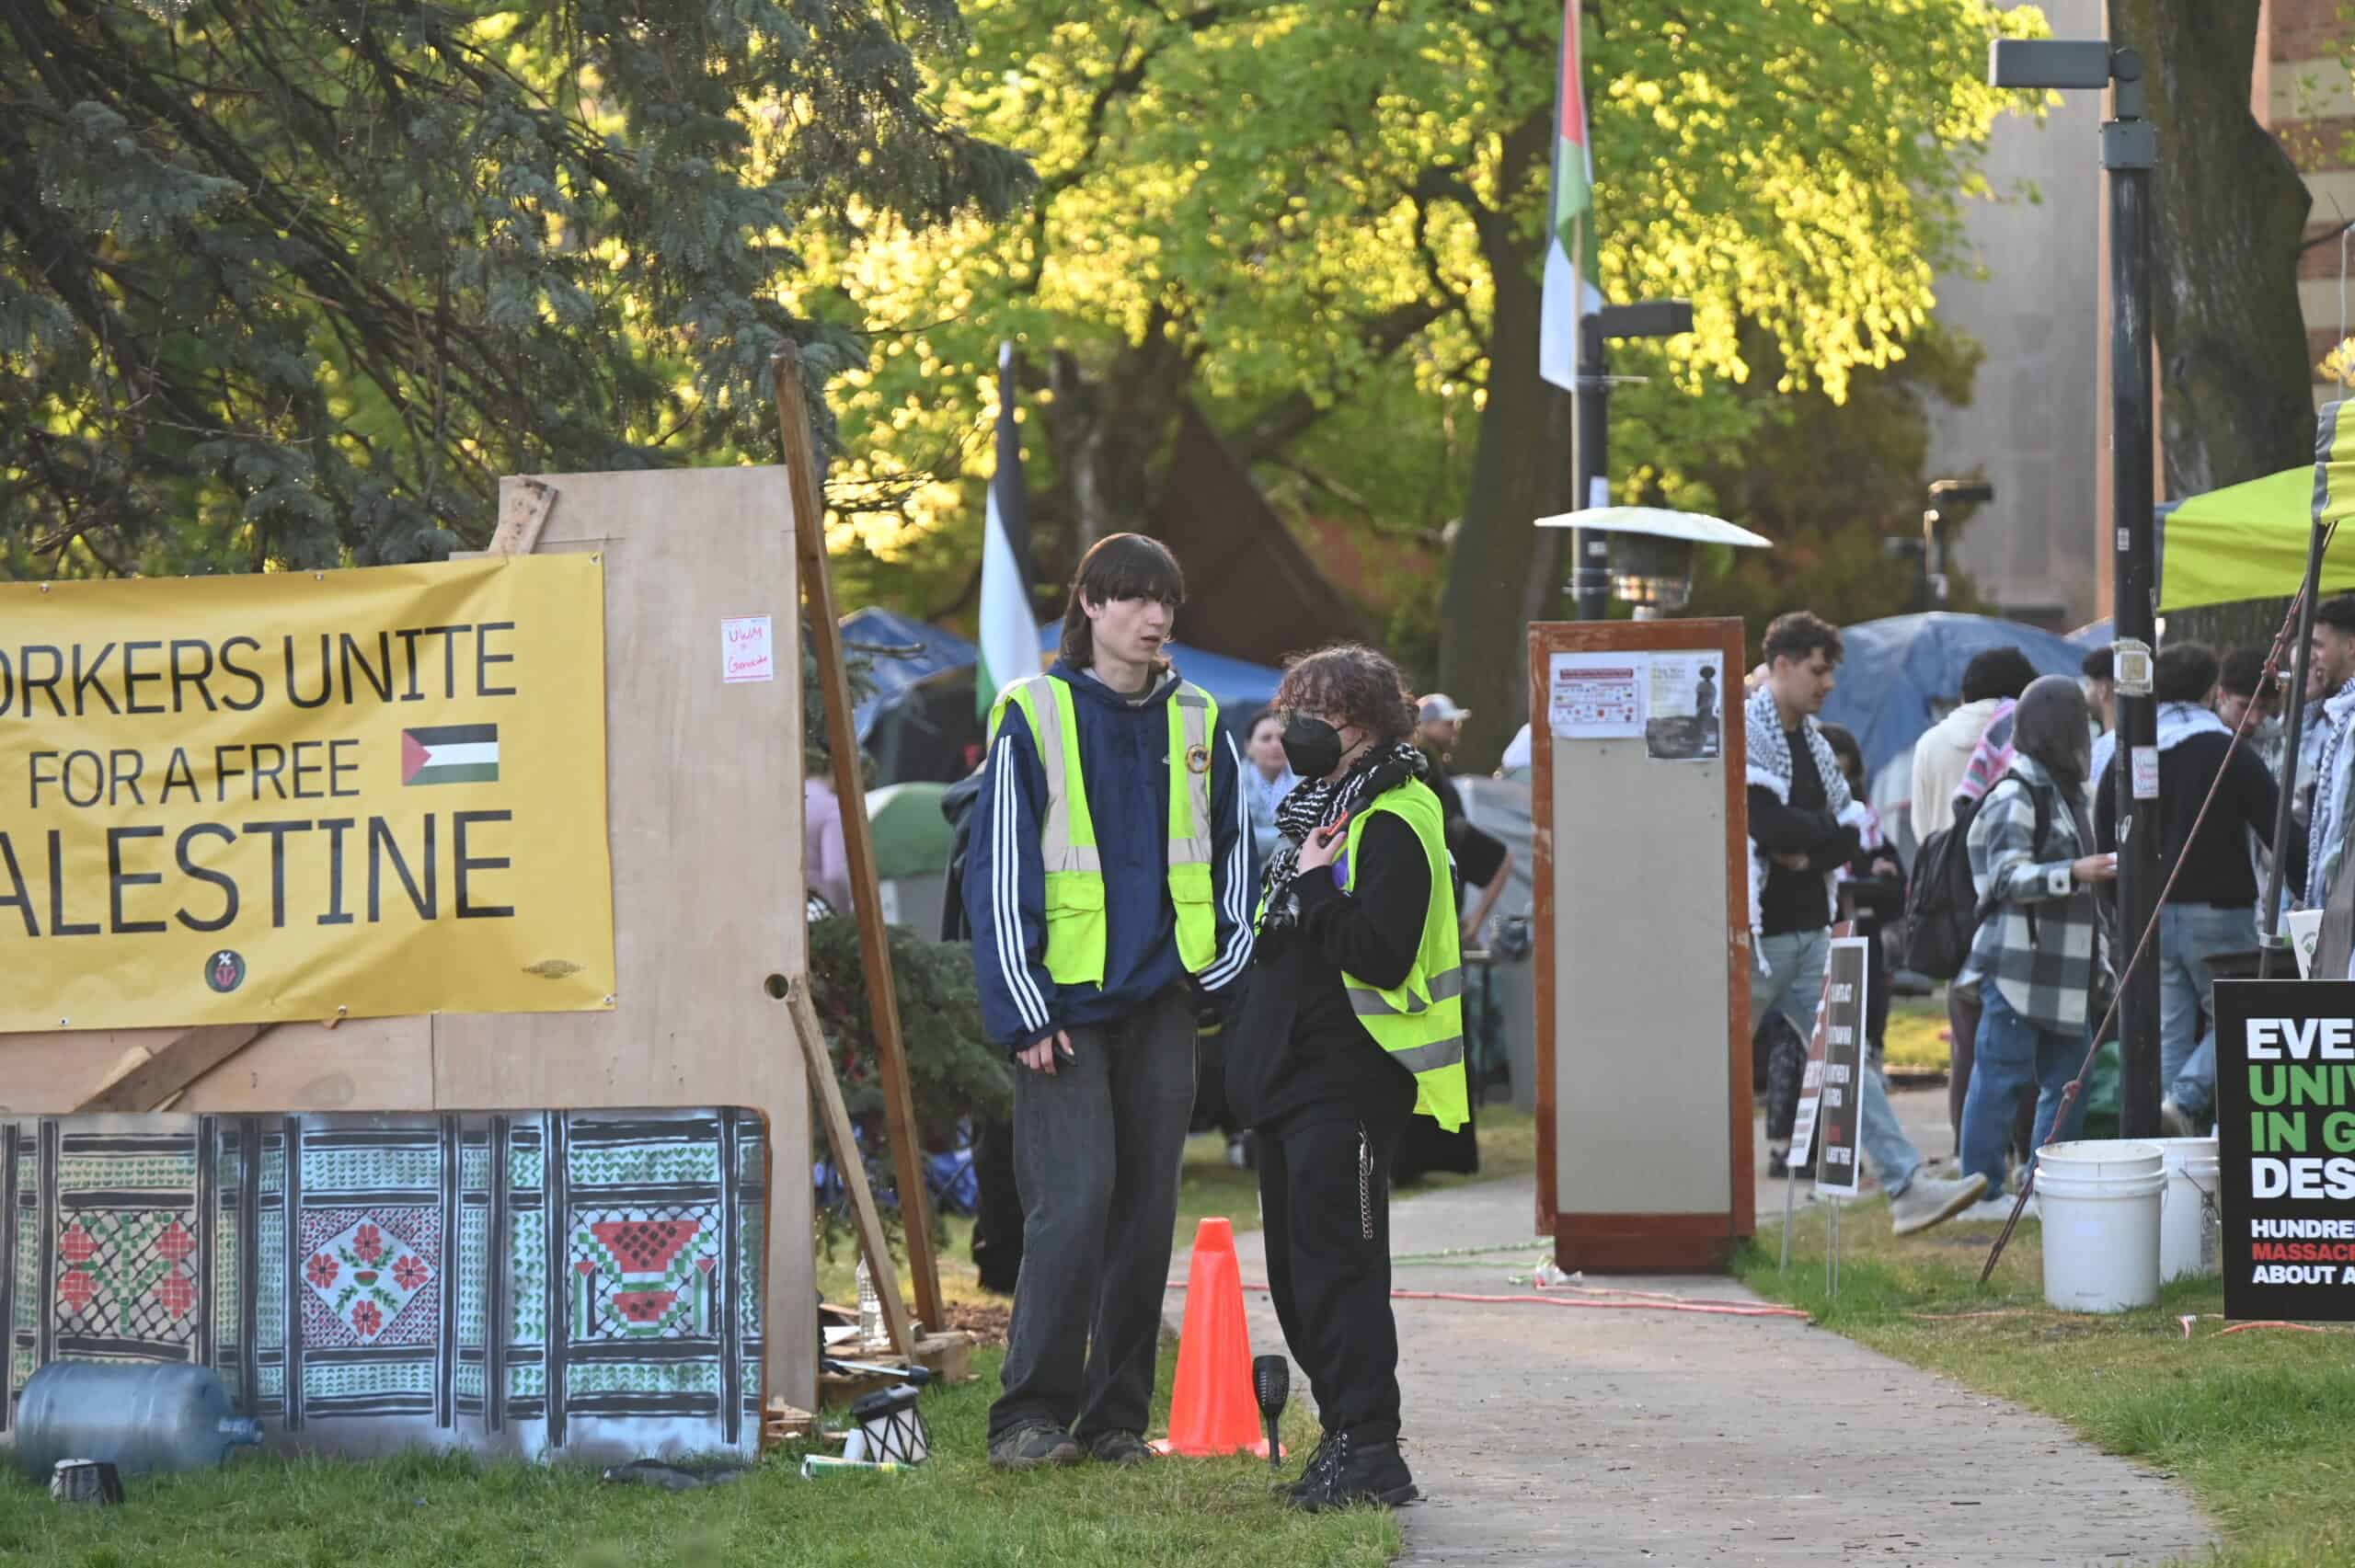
1944,496
2129,153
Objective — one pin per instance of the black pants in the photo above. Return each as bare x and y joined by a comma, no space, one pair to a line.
998,1210
1325,1202
1097,1146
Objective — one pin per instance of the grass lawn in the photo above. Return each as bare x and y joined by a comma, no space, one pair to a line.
1916,1039
2254,1423
433,1513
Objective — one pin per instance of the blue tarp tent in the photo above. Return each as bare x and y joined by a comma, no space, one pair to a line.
934,650
2094,635
1903,673
921,724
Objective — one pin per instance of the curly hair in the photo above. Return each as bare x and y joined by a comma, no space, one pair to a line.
1354,681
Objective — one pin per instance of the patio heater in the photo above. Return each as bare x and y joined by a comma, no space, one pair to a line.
1650,550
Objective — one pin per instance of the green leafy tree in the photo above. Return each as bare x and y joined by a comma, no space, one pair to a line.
293,281
1322,222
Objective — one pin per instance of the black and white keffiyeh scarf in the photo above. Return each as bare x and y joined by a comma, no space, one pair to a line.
1768,756
1316,802
1769,753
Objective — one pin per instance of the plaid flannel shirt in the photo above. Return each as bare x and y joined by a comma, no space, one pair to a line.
2045,976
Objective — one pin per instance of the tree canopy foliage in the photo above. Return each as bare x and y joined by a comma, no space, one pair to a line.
1324,222
293,281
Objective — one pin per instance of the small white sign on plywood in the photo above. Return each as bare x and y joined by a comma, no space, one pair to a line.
746,650
1596,696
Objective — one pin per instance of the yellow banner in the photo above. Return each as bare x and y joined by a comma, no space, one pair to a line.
304,795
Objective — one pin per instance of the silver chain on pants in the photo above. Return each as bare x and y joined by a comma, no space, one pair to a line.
1365,1184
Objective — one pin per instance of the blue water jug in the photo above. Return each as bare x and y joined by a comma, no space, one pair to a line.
143,1416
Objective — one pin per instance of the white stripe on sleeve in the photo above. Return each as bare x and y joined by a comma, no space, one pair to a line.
1006,892
1236,896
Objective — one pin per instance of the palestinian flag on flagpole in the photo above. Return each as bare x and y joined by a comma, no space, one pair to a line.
450,753
1009,631
1569,293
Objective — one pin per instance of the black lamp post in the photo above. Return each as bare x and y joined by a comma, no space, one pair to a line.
2129,153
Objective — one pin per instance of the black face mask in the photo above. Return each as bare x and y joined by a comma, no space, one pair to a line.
1312,747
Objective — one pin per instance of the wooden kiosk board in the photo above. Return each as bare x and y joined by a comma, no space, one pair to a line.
1643,944
703,825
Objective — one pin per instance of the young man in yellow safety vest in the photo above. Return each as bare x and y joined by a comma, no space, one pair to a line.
1106,881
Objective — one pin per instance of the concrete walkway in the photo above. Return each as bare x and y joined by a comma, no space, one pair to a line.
1566,1436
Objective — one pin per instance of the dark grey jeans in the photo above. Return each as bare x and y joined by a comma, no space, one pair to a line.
1096,1148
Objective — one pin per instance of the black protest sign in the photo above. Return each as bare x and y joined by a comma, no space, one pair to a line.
2285,1101
1841,1025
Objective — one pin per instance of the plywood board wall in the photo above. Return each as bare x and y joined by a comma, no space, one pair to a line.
704,793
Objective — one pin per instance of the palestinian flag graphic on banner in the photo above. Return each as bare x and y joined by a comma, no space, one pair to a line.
450,753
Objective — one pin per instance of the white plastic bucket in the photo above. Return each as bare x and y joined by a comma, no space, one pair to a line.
2100,1199
2187,1214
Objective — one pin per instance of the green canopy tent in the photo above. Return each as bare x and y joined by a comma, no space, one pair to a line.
2247,541
910,837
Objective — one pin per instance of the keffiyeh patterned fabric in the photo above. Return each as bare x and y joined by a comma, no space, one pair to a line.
2327,829
1318,801
1768,754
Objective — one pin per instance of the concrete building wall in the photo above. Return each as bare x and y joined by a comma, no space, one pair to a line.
2034,309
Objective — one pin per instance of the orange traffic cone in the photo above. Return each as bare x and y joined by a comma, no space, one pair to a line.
1213,1410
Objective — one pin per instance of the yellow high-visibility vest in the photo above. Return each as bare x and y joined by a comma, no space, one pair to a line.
1420,1021
1076,929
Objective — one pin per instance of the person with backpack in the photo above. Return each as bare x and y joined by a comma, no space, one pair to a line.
1803,826
1992,683
1107,889
2038,948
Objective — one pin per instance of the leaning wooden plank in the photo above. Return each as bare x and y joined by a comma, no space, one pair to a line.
858,846
523,512
872,1243
181,1062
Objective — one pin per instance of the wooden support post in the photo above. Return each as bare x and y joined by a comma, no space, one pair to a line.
872,1243
859,847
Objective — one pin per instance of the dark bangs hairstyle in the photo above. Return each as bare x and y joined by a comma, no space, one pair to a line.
1354,681
1119,566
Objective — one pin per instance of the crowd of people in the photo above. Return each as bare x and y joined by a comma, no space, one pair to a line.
1303,889
2023,769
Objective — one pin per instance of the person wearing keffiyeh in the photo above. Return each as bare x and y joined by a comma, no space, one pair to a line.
1357,951
1803,827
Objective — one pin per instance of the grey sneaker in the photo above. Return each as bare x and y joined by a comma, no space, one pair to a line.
1119,1448
1028,1447
2175,1121
1927,1201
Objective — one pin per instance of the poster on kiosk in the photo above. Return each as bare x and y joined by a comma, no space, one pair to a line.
2285,1141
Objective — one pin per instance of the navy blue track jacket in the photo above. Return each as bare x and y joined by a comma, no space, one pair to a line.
1124,756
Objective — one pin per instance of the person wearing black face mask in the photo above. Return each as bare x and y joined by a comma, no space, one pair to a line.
1353,1023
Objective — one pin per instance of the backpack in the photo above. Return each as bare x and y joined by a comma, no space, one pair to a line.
1943,910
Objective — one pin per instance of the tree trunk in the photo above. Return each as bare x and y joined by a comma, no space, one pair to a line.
1501,572
1106,431
2230,212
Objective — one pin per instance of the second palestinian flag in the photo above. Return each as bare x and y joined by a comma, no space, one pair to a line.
450,753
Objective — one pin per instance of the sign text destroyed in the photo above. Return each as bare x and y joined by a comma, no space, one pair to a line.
303,796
